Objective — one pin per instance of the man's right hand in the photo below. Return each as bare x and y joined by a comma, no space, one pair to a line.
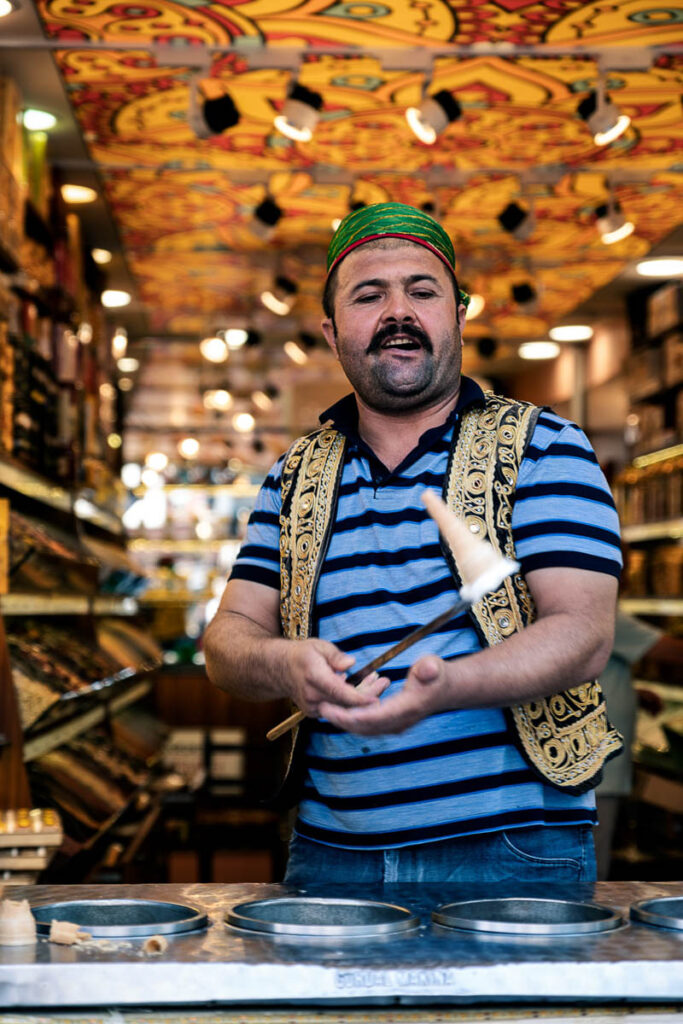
315,671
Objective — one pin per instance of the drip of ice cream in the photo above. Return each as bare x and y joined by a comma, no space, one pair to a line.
481,567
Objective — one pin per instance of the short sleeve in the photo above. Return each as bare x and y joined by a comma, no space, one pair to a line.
564,514
259,557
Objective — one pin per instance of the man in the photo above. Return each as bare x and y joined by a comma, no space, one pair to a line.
451,766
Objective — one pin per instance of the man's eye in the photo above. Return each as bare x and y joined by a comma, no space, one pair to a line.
423,293
367,297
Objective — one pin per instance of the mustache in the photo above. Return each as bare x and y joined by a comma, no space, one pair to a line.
407,330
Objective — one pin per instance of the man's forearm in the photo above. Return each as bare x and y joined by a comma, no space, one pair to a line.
244,658
551,655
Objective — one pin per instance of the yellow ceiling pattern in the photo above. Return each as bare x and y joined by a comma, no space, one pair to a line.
518,69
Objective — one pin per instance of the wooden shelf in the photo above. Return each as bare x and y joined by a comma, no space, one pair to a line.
652,605
666,529
67,604
186,546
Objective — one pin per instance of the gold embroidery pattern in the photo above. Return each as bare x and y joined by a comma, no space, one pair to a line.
567,737
309,478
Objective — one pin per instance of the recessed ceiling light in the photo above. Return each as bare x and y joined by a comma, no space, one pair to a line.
295,353
236,337
114,440
78,194
6,8
189,447
101,256
243,422
539,350
128,364
158,461
666,266
113,298
37,120
214,349
571,332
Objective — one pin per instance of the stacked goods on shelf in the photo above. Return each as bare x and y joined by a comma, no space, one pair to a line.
28,841
45,558
11,170
127,644
50,663
650,493
6,387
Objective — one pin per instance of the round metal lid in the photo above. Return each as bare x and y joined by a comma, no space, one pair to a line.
320,917
527,916
119,918
664,912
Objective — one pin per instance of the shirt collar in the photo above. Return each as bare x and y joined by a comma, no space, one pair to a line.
344,413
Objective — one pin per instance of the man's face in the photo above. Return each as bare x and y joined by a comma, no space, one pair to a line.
396,330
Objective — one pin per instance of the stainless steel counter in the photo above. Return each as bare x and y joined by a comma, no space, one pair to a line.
223,966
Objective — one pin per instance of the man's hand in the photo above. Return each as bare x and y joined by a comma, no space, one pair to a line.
316,671
423,694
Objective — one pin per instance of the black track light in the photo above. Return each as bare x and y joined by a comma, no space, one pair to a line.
300,113
603,118
517,221
266,216
280,298
208,117
308,340
254,337
433,115
487,347
524,294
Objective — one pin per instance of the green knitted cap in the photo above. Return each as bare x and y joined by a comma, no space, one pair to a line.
391,220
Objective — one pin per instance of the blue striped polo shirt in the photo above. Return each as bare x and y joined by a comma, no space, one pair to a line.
384,574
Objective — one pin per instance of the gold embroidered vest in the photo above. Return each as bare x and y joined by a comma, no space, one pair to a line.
565,738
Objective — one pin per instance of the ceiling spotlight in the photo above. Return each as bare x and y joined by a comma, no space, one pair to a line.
158,461
119,343
189,447
433,115
208,117
220,400
214,349
611,223
667,266
261,400
524,295
235,337
300,113
602,117
37,120
243,422
539,350
571,332
517,221
487,347
266,216
128,364
475,307
101,256
295,353
253,337
281,298
114,298
6,7
77,194
125,384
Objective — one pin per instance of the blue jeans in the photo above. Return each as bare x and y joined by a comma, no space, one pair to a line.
563,855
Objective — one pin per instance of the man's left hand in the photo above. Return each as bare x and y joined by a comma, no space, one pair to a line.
422,694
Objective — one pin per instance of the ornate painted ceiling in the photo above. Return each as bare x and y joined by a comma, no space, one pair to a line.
184,205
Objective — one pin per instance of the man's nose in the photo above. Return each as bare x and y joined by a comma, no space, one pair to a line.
398,307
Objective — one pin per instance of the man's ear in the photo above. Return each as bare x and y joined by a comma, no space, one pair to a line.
462,315
330,334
